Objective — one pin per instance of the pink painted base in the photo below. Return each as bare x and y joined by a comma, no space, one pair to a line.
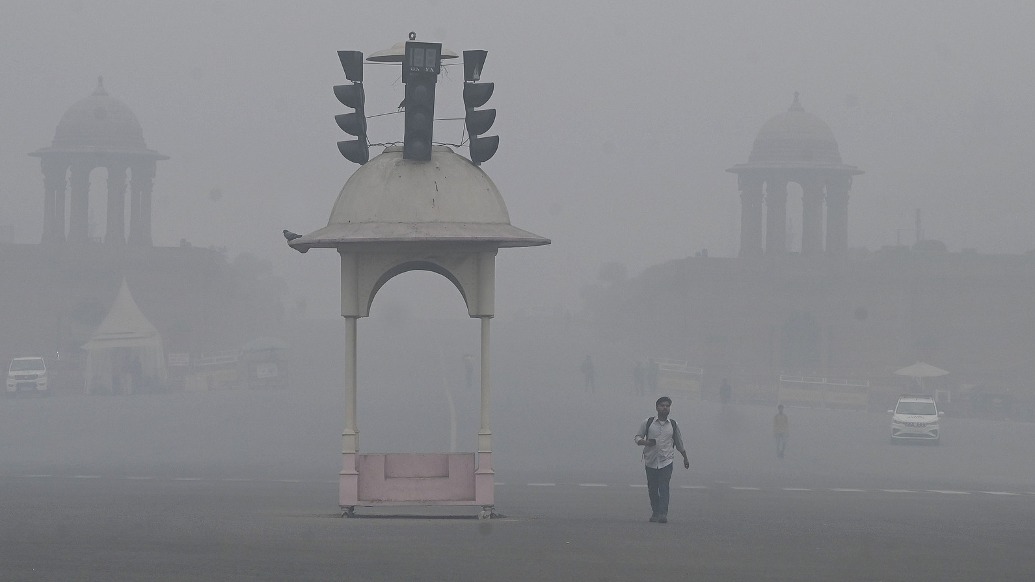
416,479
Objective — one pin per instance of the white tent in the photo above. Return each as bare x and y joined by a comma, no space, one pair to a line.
125,353
921,370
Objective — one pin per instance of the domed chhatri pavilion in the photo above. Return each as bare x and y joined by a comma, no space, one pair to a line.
798,147
98,132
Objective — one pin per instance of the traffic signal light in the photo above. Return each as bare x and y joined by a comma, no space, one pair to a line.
421,64
355,150
478,121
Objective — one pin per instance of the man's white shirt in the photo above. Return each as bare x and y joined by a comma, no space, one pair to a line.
662,453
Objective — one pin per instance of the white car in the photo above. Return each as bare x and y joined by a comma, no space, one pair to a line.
27,375
915,418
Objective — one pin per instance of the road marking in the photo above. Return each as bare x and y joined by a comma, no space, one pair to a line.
605,485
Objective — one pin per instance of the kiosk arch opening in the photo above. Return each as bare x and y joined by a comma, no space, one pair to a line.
420,365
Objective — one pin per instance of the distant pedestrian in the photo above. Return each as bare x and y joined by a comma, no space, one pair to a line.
639,378
589,375
660,438
725,391
652,376
781,430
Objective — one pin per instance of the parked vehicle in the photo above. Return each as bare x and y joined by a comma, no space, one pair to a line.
27,375
915,418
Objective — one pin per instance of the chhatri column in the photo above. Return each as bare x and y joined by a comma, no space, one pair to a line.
54,186
115,227
750,215
775,216
79,219
812,216
837,214
141,187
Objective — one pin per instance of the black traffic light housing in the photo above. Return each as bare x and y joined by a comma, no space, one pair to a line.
478,121
421,65
357,150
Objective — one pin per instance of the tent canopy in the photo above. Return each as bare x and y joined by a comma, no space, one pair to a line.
921,370
124,326
125,353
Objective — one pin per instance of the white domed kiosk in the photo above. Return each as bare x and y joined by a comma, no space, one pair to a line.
396,215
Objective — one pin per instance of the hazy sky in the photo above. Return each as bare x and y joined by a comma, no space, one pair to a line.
616,119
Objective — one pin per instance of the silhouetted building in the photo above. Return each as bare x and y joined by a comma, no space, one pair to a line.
98,132
863,314
56,293
798,147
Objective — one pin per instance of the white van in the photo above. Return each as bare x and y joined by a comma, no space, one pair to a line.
915,418
27,375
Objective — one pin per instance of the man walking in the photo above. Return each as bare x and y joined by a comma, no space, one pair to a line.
660,438
781,430
725,391
639,382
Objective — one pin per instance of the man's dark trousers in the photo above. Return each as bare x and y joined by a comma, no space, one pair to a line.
657,488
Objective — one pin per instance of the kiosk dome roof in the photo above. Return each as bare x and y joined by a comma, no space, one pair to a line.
391,199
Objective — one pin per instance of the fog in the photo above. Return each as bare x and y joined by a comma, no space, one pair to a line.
617,122
547,425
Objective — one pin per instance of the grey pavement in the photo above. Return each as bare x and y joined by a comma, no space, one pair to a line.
54,528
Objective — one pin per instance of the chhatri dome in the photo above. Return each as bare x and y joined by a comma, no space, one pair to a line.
795,136
99,122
